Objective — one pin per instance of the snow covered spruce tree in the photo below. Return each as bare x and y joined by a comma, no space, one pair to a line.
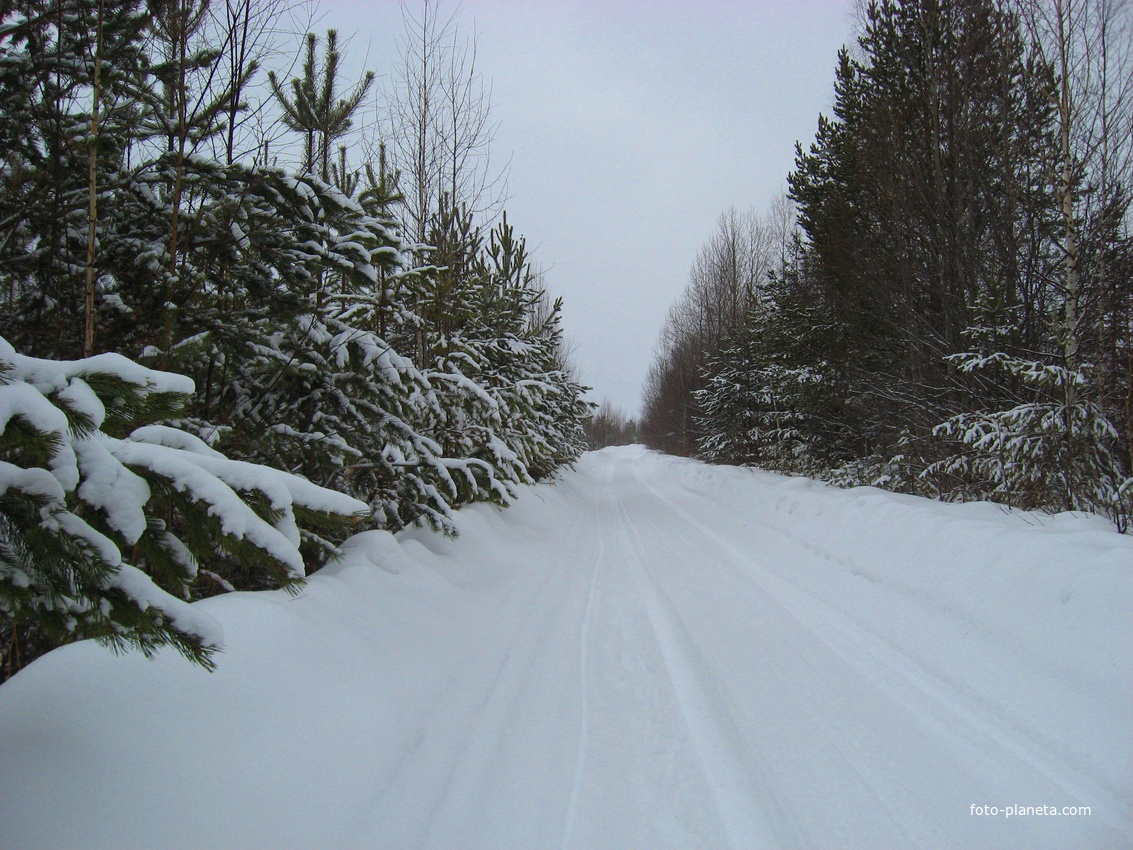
770,397
1041,453
110,524
918,200
726,288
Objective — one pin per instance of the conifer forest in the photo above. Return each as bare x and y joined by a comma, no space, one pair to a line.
235,324
941,302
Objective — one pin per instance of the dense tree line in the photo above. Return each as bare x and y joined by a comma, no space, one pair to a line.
728,279
305,348
955,317
609,426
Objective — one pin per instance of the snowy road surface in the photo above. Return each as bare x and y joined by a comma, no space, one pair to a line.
651,653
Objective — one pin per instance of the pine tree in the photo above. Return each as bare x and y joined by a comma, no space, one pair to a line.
317,340
313,108
109,523
1041,453
774,398
73,85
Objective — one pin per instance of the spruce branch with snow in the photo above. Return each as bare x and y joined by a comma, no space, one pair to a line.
1043,452
106,518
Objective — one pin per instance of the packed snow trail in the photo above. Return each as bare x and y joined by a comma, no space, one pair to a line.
651,653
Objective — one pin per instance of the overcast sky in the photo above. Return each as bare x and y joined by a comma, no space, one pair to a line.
630,127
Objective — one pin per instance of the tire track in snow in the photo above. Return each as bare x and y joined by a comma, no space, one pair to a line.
583,686
741,798
940,705
455,747
799,684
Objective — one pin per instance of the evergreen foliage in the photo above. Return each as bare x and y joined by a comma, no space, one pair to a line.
313,337
73,82
1039,453
725,283
769,399
311,108
106,519
916,200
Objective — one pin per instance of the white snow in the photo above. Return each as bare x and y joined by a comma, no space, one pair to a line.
189,618
109,485
24,402
651,653
174,438
78,396
54,375
33,482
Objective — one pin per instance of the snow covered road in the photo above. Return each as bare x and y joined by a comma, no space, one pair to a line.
651,653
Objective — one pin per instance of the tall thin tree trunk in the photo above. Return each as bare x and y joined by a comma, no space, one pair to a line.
1071,249
1070,332
92,214
181,96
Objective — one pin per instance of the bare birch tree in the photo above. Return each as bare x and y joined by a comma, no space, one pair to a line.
439,122
725,283
247,31
1087,46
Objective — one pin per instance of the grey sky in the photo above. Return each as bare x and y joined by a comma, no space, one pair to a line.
630,127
